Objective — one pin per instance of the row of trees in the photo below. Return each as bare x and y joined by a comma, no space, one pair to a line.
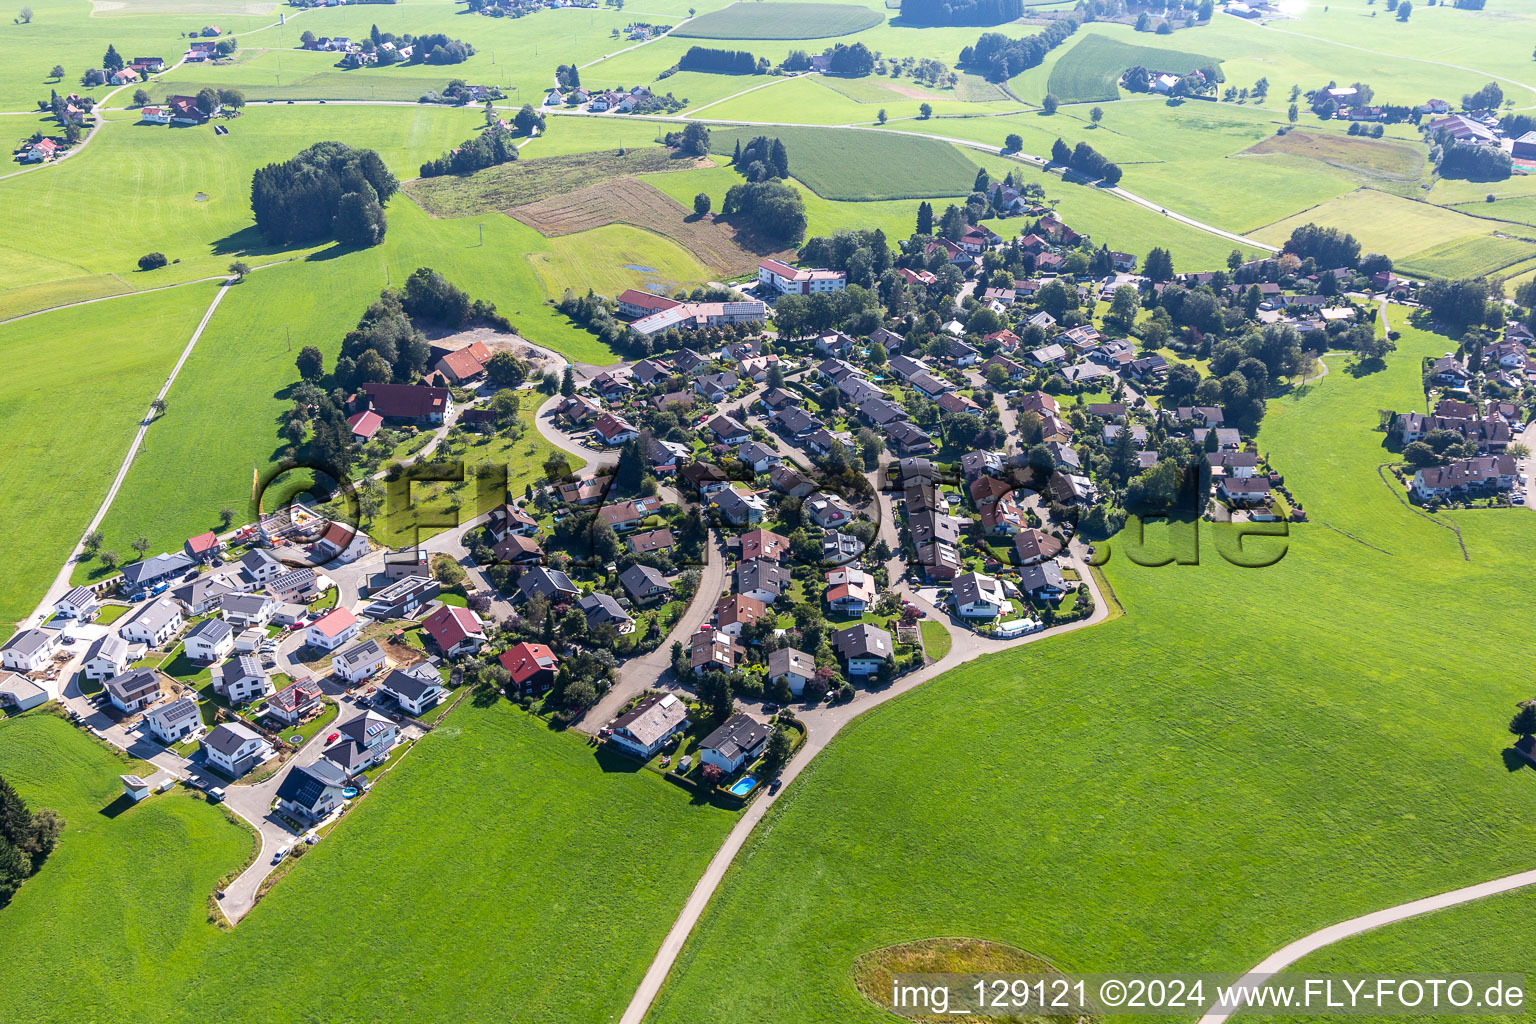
328,190
1000,57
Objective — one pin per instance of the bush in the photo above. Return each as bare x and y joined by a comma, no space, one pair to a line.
152,261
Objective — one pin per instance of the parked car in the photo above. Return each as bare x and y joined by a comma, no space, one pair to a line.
216,794
773,787
282,851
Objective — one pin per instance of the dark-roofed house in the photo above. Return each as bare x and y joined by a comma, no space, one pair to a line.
761,580
244,611
1043,581
133,690
106,657
645,729
241,680
864,648
312,791
210,640
365,741
79,605
790,481
602,610
235,749
710,648
644,584
737,742
154,623
1034,546
652,541
148,572
728,430
551,583
358,662
417,689
908,438
979,597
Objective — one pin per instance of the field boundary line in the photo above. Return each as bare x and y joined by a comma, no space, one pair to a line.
715,103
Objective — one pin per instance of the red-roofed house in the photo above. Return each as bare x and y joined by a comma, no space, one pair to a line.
788,280
336,627
613,431
410,402
763,544
364,424
343,543
203,547
466,364
533,666
638,303
455,630
737,611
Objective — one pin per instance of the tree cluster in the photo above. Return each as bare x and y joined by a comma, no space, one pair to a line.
1000,57
961,12
26,840
773,209
328,190
491,147
843,59
762,159
863,255
1326,247
725,62
1087,161
1475,163
428,48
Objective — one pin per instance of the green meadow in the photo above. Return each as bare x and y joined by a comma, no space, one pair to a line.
835,165
539,850
1243,757
107,360
1091,69
780,21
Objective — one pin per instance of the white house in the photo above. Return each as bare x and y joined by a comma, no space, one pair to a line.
20,693
29,650
261,566
336,627
645,729
358,662
979,597
174,722
134,690
235,749
737,742
788,280
794,667
210,640
864,648
415,693
79,604
106,657
241,680
153,624
246,610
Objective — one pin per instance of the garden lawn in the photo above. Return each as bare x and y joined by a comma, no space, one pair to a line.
531,813
80,380
780,21
860,165
936,639
1128,794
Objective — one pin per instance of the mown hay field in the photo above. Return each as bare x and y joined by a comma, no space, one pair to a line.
1090,69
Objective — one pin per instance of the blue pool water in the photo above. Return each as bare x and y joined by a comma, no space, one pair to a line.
743,785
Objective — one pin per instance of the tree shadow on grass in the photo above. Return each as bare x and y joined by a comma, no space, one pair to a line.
1514,760
1365,367
610,760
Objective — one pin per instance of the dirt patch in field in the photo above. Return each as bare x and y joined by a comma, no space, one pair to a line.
527,181
1377,158
540,359
716,244
873,975
911,92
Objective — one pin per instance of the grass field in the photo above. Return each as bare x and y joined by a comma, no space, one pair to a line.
525,181
546,847
185,192
1364,157
86,374
781,21
860,165
1091,68
609,259
1121,795
1476,256
631,201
